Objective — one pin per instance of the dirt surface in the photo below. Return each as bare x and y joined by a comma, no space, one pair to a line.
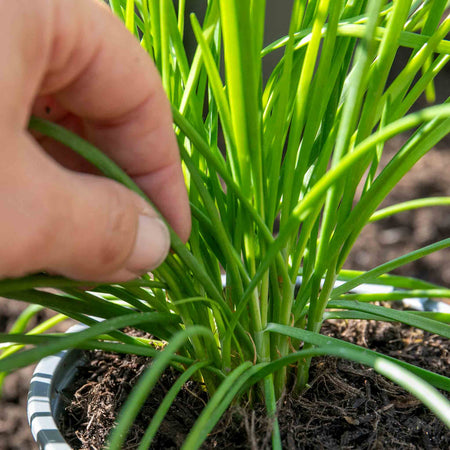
389,238
430,177
101,389
348,406
352,407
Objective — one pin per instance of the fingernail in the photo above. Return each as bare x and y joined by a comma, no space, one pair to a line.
151,247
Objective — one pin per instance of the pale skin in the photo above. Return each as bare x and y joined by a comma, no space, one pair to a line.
75,64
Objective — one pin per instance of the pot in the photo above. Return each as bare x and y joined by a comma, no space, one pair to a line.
54,373
45,396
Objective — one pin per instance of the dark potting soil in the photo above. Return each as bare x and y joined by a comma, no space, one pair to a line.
348,406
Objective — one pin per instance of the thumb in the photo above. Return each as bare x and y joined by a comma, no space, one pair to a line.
78,225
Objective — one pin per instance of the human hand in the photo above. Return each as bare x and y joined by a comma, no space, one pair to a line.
74,63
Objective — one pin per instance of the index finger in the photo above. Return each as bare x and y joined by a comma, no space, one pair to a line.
98,71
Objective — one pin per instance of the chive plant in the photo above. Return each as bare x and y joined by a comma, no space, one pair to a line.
282,178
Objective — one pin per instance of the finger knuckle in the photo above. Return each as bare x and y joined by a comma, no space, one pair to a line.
118,234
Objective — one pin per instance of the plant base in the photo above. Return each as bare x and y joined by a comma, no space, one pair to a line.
347,405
